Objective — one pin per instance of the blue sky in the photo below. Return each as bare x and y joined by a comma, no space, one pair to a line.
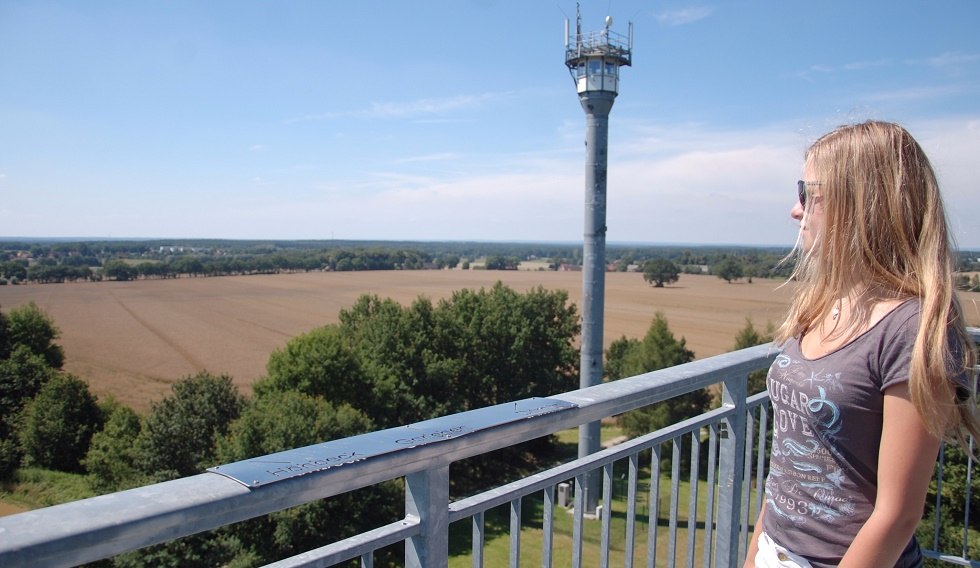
439,120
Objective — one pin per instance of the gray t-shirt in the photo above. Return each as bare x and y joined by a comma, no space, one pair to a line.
827,419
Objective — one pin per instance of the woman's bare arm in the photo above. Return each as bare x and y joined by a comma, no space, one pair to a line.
906,461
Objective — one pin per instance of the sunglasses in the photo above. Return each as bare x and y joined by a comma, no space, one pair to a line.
801,190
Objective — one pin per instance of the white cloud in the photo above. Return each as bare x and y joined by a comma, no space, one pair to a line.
915,93
404,109
865,65
441,157
684,16
948,59
681,184
430,106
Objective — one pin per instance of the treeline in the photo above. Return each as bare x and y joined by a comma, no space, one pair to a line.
53,262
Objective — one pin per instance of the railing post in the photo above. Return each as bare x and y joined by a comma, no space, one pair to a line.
730,471
427,497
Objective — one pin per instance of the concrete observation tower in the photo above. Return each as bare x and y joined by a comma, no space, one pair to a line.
594,60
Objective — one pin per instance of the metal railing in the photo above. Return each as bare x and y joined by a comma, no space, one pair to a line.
721,481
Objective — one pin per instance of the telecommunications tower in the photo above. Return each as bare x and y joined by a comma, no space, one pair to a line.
594,60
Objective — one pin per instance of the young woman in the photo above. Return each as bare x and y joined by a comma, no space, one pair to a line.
874,365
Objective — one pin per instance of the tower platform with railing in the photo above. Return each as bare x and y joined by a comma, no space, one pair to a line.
698,514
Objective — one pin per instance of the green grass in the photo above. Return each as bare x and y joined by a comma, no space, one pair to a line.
33,488
497,543
497,540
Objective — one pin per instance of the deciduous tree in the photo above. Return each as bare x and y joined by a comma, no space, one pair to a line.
728,270
660,271
58,424
179,435
31,327
112,451
318,363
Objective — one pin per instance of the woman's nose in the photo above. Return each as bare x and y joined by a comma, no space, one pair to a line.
797,212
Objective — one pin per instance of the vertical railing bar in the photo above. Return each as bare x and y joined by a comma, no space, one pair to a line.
746,481
939,496
577,522
367,560
634,470
760,468
427,497
966,505
479,538
692,504
675,489
709,515
607,482
654,516
548,528
515,533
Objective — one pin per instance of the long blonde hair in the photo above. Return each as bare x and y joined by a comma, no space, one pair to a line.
884,228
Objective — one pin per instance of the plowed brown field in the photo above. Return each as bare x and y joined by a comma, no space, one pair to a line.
134,339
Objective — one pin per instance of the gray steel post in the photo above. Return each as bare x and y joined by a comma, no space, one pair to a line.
730,471
597,105
427,498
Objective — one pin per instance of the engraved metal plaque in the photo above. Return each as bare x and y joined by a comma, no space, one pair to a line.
263,470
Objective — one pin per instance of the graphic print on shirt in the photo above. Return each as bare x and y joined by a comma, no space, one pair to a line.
804,480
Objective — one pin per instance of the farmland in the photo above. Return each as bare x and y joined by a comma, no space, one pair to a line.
134,339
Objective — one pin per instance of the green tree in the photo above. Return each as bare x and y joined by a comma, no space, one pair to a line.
58,424
954,505
13,270
749,336
119,270
659,349
22,375
728,269
31,327
112,451
179,435
498,345
392,344
616,365
500,262
401,365
660,271
283,420
318,363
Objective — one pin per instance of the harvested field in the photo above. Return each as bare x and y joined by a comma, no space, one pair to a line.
134,339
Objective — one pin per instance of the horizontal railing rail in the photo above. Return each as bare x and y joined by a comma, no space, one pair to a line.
731,477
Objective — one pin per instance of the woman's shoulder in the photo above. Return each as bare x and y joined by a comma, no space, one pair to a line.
896,313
